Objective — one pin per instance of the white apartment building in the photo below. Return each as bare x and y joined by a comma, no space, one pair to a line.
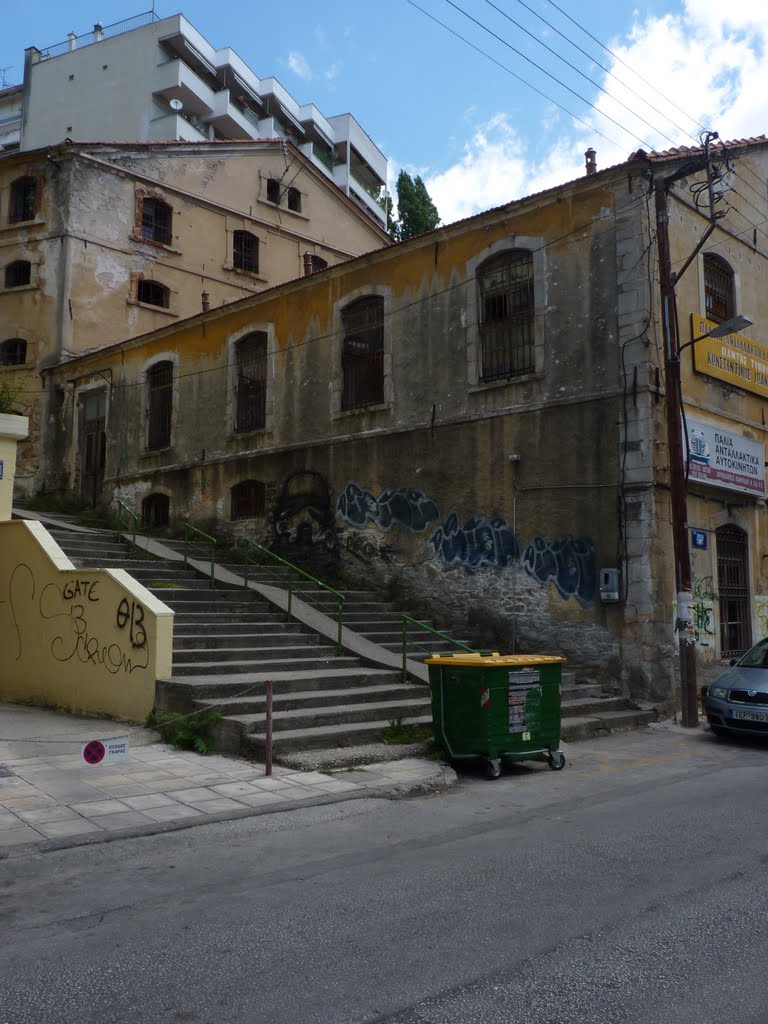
158,79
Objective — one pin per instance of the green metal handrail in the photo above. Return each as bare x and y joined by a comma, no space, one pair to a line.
435,632
133,517
340,598
188,528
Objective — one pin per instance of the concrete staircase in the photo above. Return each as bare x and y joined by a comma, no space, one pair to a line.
229,641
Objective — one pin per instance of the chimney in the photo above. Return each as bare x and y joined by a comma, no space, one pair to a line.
308,262
591,158
206,299
98,29
71,41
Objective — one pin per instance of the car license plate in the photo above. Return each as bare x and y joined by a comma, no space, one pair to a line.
751,716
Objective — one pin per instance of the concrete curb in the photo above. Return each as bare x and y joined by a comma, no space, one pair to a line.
444,777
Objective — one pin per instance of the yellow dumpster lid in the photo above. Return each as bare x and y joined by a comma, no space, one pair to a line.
514,660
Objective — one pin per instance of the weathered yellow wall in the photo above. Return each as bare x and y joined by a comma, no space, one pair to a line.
88,641
12,430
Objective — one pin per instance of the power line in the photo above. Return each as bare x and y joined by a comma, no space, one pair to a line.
513,74
545,72
573,67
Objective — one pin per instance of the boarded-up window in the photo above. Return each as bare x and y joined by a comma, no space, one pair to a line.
294,200
23,200
18,273
273,190
155,510
153,293
362,354
156,220
506,315
245,251
159,404
718,289
251,382
13,352
248,499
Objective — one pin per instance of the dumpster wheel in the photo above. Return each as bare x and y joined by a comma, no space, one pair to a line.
556,760
493,768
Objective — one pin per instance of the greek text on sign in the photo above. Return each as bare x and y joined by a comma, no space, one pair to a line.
734,359
725,459
114,751
524,699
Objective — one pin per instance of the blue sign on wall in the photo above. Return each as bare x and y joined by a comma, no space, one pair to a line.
699,539
1,469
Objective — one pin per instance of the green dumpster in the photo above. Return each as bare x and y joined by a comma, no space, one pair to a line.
495,707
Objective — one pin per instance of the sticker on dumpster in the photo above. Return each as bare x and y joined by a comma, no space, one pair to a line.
524,700
485,699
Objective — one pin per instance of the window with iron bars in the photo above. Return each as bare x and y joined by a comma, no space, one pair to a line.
156,220
159,404
23,200
719,303
362,356
506,315
18,273
251,382
153,293
733,592
248,499
155,510
13,352
245,252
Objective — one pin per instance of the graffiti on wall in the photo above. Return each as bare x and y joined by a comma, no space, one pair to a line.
568,562
303,515
761,614
64,615
477,541
400,506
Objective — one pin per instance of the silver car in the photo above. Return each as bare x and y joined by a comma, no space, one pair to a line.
737,701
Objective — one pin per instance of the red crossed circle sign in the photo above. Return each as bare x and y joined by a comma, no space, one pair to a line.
94,752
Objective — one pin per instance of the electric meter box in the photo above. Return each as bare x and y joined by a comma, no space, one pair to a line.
610,585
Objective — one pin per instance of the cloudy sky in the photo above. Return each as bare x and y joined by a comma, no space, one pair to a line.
483,127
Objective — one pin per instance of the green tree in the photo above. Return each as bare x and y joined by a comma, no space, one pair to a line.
415,209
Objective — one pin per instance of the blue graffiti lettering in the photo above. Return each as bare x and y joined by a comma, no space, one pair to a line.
396,506
479,541
568,562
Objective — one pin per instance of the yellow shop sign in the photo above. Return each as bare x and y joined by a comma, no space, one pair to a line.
733,359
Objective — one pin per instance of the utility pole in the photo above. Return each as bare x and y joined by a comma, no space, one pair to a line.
677,481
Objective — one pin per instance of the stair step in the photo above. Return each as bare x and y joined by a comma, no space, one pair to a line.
192,656
263,665
584,706
309,717
323,736
326,697
198,639
582,727
190,689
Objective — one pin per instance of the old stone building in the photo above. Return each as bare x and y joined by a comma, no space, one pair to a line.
103,242
476,419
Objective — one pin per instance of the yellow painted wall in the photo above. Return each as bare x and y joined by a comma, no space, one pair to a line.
87,641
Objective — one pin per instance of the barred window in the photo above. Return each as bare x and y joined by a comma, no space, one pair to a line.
18,274
251,382
506,315
156,220
13,352
159,404
273,190
245,251
362,356
23,200
719,302
248,499
153,293
294,200
155,510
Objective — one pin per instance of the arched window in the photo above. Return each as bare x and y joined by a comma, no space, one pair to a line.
506,315
362,354
251,382
153,293
719,303
18,273
248,499
159,404
155,510
733,591
23,203
156,220
273,190
245,251
13,352
294,200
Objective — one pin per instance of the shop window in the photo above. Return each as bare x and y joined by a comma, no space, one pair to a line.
13,352
159,404
294,200
245,252
506,315
153,293
251,382
733,592
156,220
273,190
23,203
719,300
362,355
18,273
155,510
248,499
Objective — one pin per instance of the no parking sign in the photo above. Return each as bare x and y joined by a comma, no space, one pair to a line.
111,751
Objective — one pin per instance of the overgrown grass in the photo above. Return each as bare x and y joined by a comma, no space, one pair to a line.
397,733
187,732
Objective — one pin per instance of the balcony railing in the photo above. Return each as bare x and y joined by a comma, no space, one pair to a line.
116,29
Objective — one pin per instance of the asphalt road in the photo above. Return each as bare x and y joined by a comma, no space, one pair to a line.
631,887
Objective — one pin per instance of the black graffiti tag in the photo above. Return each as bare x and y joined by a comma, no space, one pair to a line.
131,614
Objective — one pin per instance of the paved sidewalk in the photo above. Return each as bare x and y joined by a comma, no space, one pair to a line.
49,796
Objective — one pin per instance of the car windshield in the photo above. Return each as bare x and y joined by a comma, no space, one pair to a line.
757,657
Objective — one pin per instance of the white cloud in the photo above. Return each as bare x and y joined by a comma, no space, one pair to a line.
333,71
710,61
299,65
